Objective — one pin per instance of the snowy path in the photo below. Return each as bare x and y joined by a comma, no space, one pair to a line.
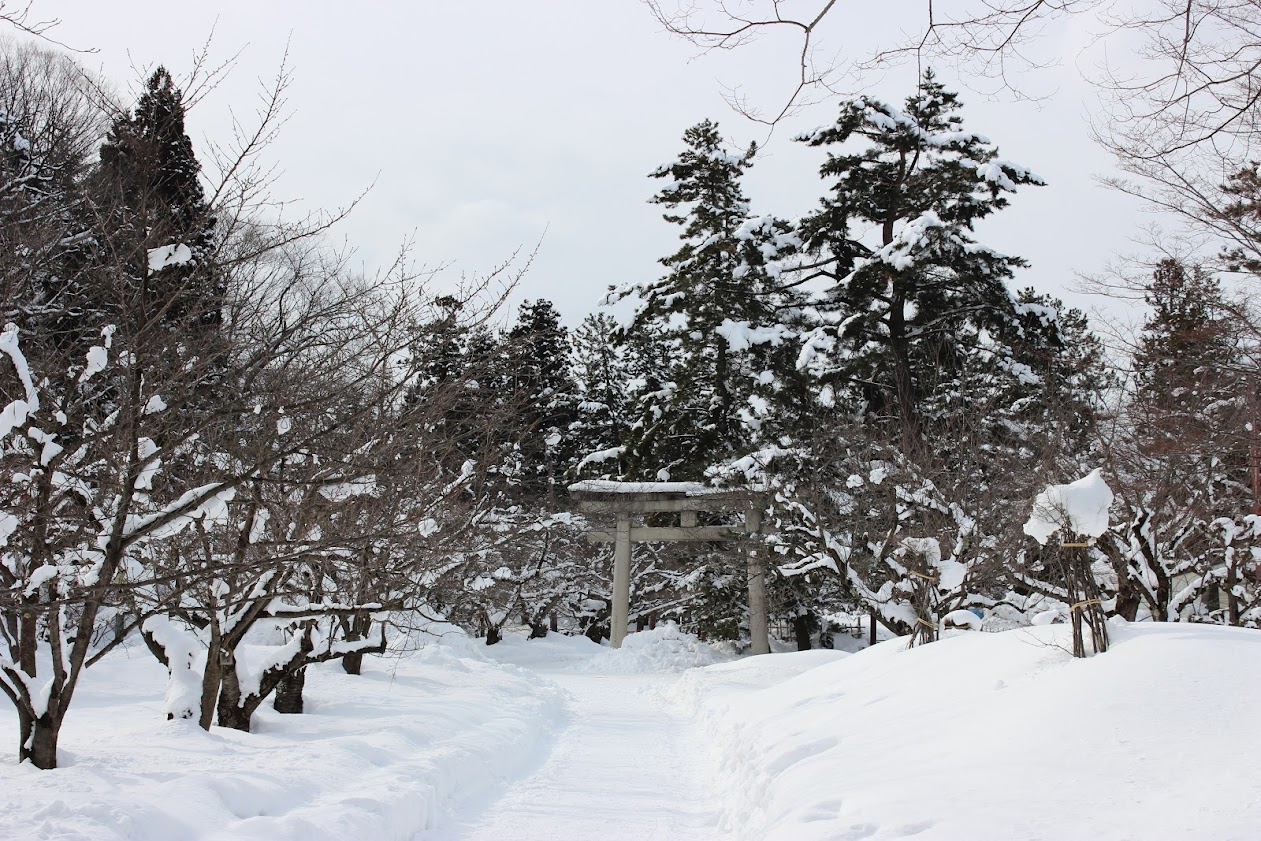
626,766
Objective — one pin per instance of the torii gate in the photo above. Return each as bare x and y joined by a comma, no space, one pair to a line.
628,499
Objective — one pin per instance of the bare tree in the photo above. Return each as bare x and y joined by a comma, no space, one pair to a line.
990,37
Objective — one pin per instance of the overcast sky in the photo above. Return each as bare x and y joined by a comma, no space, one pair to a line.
482,124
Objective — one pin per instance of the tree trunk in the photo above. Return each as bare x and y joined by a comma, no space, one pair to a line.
359,627
492,635
288,698
801,629
211,681
352,663
28,643
39,740
232,709
903,379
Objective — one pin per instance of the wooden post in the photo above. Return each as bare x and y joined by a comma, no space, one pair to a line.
621,581
759,637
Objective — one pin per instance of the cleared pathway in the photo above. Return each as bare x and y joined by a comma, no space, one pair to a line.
625,767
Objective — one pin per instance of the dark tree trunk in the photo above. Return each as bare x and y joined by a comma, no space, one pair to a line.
352,663
641,623
552,624
595,633
231,714
359,628
801,629
288,698
39,740
28,643
903,379
211,681
1127,604
492,635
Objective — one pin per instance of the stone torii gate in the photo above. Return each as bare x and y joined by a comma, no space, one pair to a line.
634,499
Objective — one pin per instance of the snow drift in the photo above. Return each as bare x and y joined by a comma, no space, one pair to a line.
997,736
384,755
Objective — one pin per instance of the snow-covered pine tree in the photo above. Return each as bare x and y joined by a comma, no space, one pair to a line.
601,375
538,371
905,484
719,309
1188,381
899,301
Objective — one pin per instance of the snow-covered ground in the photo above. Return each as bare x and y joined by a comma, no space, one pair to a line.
401,748
979,736
996,736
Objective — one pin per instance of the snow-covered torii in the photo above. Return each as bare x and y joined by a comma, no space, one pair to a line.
630,499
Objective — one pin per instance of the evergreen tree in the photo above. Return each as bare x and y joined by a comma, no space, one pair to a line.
602,378
899,305
153,204
718,311
1185,366
539,373
47,129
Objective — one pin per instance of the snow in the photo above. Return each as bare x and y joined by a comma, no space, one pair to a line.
997,735
981,735
603,486
16,412
1081,506
741,336
600,456
389,754
176,254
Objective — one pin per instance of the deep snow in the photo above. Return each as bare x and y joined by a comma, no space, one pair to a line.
979,736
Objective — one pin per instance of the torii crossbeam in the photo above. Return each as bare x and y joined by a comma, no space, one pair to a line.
630,499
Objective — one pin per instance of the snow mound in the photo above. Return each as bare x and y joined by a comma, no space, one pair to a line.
664,649
1080,507
996,735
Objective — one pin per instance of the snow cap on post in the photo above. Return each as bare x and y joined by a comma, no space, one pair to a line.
1082,506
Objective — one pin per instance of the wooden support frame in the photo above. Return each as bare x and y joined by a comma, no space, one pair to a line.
629,499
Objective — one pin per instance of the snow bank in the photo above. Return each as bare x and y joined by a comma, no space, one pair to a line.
664,649
384,755
989,736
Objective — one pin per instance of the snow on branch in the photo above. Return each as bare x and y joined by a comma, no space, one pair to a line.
1080,507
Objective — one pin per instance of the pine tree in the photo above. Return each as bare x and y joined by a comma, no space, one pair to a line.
602,377
900,303
150,194
718,313
1185,364
539,372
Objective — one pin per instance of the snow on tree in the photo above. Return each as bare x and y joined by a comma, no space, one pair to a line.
1078,510
719,310
898,303
601,372
149,189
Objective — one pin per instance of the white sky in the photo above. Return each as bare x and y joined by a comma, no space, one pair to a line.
486,122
